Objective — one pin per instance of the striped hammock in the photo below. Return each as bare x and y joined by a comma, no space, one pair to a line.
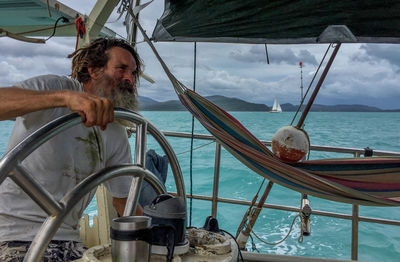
363,181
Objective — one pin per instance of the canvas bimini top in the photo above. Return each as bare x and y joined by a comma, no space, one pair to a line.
38,18
280,22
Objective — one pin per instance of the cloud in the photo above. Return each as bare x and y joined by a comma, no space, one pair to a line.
360,73
256,54
9,74
376,53
53,48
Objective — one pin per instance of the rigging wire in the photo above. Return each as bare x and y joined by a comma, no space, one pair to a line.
191,139
248,211
187,151
309,86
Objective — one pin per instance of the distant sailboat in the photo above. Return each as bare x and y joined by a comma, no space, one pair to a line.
276,108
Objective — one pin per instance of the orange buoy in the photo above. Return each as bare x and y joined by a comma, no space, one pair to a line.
290,144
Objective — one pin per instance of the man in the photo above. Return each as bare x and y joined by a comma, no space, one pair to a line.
104,75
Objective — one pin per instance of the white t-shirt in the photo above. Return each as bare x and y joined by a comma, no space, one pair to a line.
59,165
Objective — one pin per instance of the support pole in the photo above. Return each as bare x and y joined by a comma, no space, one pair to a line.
216,180
253,215
318,86
354,233
96,19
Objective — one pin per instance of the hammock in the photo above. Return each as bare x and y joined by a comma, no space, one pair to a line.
363,181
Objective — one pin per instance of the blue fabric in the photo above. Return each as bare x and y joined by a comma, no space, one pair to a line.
158,165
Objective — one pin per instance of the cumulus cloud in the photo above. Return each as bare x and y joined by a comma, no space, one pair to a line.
376,53
366,74
9,74
257,54
53,48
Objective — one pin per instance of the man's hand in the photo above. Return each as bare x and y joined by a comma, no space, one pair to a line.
94,110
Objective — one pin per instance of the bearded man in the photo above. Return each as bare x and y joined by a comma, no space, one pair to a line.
104,75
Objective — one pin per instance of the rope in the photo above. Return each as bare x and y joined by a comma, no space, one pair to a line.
287,235
309,86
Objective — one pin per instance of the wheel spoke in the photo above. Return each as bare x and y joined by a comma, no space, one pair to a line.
36,191
140,147
133,197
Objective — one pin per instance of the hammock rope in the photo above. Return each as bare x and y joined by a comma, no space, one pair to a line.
343,180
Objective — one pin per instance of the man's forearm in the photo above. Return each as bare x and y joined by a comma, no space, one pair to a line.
16,102
94,110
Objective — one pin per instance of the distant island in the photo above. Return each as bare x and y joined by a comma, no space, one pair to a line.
236,104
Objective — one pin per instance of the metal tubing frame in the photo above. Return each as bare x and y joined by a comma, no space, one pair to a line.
346,150
216,180
355,218
354,233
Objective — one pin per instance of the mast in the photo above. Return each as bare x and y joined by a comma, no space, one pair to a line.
301,81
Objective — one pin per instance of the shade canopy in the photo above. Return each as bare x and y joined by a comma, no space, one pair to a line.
38,17
280,22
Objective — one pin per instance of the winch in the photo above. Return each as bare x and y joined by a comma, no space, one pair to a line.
166,210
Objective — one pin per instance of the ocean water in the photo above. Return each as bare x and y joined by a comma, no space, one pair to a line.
329,237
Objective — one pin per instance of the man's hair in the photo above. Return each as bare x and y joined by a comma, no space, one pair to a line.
95,55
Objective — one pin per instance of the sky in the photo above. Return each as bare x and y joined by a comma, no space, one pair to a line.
361,73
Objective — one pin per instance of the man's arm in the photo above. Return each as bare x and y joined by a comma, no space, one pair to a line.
94,110
119,205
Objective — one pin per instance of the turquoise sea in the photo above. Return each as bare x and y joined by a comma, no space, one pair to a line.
329,237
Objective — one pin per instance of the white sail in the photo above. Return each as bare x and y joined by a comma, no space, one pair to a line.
276,108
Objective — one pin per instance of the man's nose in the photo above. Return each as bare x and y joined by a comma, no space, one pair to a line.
128,77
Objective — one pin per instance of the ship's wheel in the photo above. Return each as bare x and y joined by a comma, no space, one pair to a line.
10,166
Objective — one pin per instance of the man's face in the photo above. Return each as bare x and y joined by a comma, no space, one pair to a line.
118,80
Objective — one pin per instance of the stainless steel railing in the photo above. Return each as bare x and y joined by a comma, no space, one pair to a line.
354,217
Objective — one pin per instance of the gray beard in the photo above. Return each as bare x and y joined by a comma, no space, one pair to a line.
125,97
126,100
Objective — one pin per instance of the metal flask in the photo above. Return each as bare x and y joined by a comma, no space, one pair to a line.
131,239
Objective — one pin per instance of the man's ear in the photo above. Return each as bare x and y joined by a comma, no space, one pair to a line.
95,72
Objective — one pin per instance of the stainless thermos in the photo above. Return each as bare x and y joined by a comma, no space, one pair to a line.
131,239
